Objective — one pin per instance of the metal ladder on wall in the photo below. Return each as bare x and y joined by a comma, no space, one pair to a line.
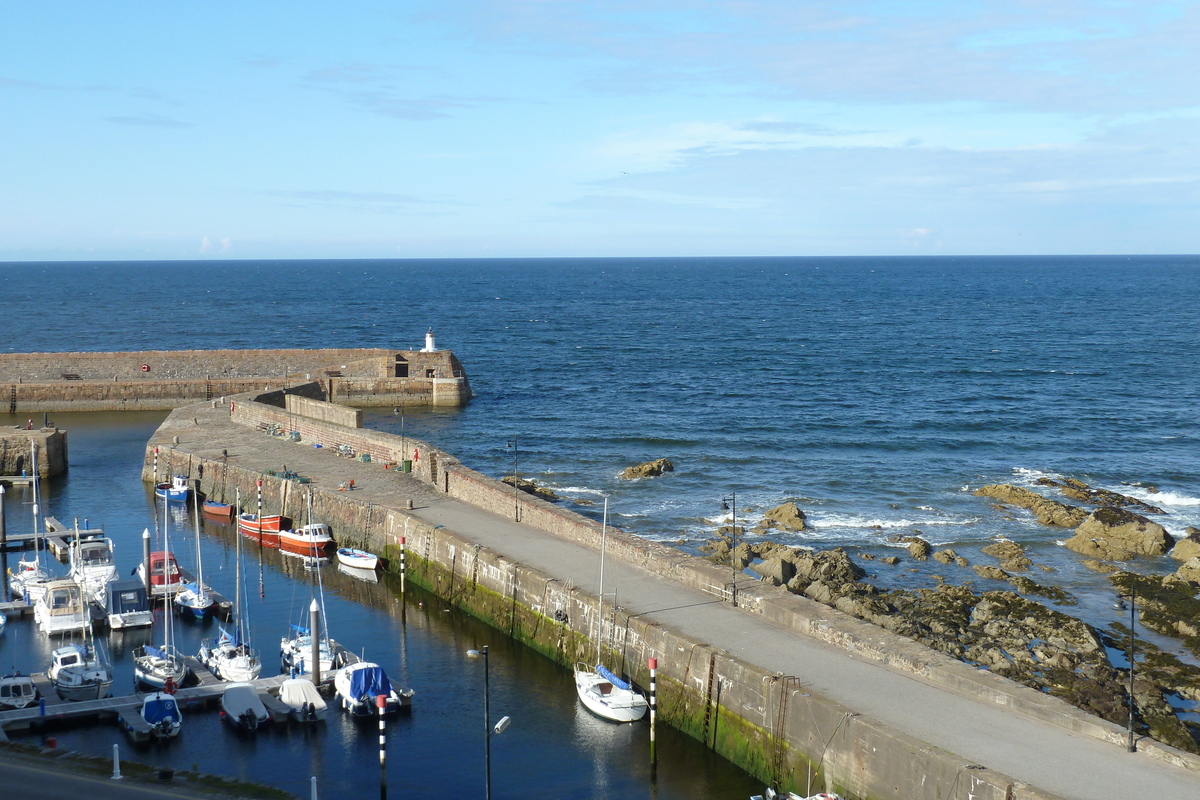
12,400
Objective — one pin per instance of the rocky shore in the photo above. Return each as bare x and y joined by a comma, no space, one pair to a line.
1027,632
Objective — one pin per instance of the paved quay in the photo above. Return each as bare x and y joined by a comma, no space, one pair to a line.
1044,755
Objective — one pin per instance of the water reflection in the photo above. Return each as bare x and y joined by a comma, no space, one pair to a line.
553,747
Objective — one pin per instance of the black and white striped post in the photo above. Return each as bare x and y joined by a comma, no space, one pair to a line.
156,467
260,512
381,701
653,663
402,539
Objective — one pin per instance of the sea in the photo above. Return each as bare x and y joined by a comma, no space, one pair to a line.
876,393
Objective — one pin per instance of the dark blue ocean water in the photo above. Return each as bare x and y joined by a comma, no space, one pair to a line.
877,393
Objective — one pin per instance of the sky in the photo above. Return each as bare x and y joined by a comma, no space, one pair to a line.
550,128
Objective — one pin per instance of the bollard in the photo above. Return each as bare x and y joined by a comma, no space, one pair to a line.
653,663
146,561
116,776
381,701
314,788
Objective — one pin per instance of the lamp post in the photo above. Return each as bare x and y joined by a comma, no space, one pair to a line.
512,443
488,728
726,504
1132,648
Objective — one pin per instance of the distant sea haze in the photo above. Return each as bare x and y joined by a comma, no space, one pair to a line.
877,393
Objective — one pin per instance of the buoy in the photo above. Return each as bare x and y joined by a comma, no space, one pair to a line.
145,367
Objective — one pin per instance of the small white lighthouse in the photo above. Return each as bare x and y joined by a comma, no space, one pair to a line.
430,346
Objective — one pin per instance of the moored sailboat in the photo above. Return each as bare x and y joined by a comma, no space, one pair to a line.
233,657
599,689
161,667
29,579
193,600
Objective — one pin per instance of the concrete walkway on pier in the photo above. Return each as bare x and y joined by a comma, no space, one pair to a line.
1041,754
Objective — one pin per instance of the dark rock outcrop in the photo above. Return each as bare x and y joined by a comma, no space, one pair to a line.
787,517
1116,534
651,469
1047,511
526,485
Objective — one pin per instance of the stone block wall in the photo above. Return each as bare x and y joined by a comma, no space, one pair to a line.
16,453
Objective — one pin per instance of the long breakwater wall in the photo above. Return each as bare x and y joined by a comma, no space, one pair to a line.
165,379
765,722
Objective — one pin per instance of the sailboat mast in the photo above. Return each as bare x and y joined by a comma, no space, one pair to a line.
600,607
199,562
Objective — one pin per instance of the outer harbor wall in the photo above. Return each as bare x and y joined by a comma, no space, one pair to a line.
766,723
16,455
163,379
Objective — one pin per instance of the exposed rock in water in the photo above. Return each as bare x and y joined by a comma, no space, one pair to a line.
946,556
1103,567
1115,534
526,485
787,516
918,548
1188,547
1012,555
1166,604
1078,490
890,560
651,469
1190,571
1048,512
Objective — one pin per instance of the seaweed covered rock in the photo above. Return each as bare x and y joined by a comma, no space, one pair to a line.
1115,534
650,469
1078,490
531,487
1011,555
1047,511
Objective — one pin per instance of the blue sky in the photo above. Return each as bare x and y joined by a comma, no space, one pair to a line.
472,128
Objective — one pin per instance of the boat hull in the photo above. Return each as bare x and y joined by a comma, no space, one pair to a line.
605,700
264,531
357,559
221,511
311,540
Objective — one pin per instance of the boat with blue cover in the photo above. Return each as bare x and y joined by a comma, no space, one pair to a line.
174,490
359,685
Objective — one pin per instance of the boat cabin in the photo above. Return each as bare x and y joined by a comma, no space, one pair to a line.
165,577
61,609
127,604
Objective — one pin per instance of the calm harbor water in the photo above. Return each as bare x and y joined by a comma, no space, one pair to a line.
552,747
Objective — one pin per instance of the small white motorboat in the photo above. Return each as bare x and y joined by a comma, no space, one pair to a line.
305,702
607,696
93,567
359,685
310,540
173,491
62,609
242,708
79,672
162,714
357,559
17,691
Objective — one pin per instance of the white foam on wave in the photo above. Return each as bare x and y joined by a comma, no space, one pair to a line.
1029,477
1165,499
578,490
851,521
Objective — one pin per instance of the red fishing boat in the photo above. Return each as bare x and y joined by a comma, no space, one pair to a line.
264,529
311,540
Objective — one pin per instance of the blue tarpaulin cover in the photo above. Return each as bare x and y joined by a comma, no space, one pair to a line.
228,638
369,681
608,676
157,710
154,652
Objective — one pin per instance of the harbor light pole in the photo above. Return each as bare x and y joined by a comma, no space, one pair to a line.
726,504
488,729
1132,746
512,443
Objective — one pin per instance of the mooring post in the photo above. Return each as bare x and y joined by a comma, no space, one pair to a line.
156,468
313,795
116,776
314,622
402,538
3,538
381,701
146,560
653,663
